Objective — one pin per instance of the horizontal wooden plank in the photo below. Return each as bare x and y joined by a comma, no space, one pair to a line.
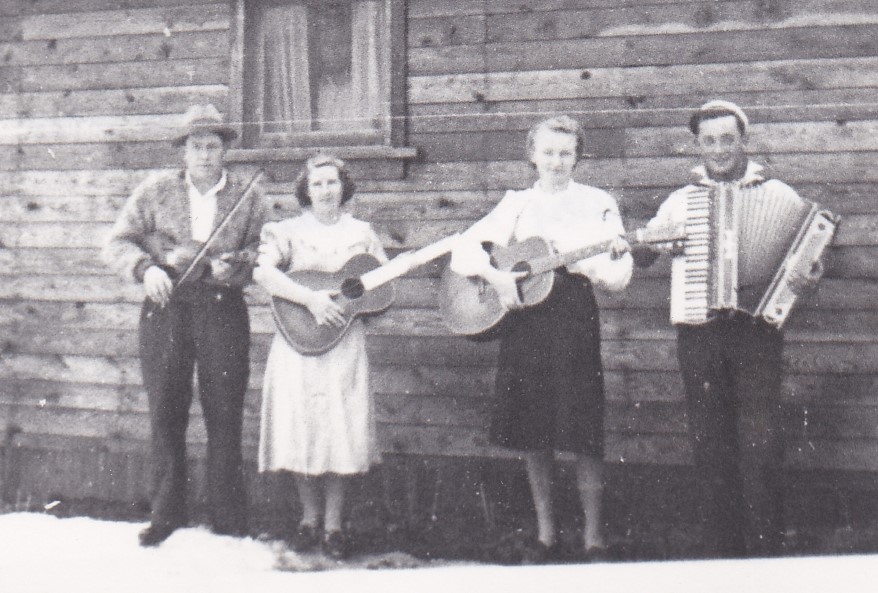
795,169
722,45
121,75
128,128
24,7
663,173
60,208
858,455
637,205
669,19
99,155
808,324
51,261
418,292
128,101
50,234
430,8
808,400
855,230
772,11
832,382
165,20
765,139
627,111
102,49
736,44
112,182
443,31
70,369
646,80
410,291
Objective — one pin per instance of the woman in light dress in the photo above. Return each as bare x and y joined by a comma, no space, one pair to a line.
318,417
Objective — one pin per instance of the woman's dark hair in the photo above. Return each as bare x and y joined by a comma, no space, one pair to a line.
323,160
563,124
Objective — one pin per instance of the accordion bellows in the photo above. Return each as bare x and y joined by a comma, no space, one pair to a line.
743,247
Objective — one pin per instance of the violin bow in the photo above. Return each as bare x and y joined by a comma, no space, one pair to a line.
202,251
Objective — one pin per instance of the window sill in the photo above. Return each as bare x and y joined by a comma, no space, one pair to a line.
364,162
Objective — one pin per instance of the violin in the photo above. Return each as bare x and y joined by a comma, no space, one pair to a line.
187,260
175,257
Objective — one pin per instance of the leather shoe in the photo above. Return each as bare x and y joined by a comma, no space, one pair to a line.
335,545
305,538
536,552
153,535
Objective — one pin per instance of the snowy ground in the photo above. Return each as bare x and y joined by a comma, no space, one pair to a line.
44,554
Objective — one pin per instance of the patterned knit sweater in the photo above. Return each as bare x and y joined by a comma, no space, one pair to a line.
159,207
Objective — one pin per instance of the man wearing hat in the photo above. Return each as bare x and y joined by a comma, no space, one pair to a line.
730,361
201,322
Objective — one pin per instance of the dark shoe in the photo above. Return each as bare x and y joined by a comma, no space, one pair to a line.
596,555
536,552
231,531
335,545
305,538
155,534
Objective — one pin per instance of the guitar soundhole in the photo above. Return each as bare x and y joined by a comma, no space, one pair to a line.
352,288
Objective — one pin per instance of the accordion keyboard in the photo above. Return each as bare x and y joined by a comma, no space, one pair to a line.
697,255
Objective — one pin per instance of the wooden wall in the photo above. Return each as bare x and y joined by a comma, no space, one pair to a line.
90,90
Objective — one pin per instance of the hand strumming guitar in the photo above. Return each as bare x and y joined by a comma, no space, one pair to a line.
506,285
324,308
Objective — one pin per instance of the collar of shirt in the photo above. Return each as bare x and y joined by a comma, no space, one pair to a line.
202,207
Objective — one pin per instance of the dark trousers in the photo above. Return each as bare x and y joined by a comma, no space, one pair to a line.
208,327
732,375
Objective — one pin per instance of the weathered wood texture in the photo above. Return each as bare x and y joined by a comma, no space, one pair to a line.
90,91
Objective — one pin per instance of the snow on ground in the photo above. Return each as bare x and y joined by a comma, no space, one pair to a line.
44,554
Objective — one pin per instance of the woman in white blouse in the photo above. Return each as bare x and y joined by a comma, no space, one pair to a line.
549,389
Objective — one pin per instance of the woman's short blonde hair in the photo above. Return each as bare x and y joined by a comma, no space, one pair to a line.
561,123
323,160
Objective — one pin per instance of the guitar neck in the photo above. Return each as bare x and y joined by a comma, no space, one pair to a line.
638,237
405,262
544,264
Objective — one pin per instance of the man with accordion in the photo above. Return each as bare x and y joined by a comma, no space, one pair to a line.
751,247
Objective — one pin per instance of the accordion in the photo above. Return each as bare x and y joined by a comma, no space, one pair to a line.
745,248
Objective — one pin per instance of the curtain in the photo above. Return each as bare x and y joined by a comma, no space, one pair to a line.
341,87
285,101
367,74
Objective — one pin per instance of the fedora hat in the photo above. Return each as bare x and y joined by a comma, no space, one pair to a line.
200,119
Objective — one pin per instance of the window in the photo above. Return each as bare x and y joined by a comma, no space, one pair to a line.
319,73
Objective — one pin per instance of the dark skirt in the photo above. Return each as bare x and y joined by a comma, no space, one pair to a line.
550,386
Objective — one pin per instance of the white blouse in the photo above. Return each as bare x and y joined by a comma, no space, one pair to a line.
578,216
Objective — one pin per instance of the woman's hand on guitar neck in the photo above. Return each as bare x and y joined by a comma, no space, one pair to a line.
619,247
326,311
506,285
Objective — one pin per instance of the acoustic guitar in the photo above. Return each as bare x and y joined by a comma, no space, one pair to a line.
364,287
470,305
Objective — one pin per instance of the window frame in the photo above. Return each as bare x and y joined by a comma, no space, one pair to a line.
391,144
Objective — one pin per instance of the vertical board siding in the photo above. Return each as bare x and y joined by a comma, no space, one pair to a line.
91,90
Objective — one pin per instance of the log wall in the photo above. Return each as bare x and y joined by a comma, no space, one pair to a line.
91,89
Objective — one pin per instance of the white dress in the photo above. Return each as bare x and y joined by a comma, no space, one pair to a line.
317,412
